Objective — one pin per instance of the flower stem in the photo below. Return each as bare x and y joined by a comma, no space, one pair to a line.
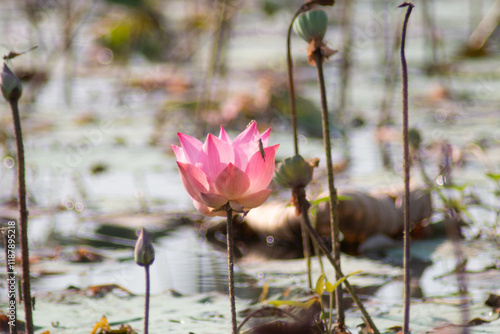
331,185
23,218
291,85
406,167
11,283
230,266
307,223
146,306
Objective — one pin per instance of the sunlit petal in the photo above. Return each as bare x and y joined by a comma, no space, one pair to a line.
191,147
193,179
260,169
232,182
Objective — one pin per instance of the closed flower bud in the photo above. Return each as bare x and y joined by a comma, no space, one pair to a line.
11,85
311,25
295,172
144,253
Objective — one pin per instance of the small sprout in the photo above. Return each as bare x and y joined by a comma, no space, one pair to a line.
144,253
12,88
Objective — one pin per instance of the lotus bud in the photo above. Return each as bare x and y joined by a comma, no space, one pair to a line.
11,85
144,252
295,172
311,25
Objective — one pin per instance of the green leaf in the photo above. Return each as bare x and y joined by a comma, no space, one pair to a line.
493,176
304,305
327,198
320,286
460,188
330,287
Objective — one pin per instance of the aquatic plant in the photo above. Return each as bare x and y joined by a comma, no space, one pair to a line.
12,90
406,168
312,26
144,255
222,172
224,177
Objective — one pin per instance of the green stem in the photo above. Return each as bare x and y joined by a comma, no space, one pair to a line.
23,218
146,307
307,223
230,266
291,85
331,185
307,255
330,317
406,167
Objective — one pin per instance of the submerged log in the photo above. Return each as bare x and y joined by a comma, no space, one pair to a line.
360,216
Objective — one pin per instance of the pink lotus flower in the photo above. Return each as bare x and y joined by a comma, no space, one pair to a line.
222,171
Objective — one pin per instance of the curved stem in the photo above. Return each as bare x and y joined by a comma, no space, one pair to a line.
230,266
406,167
291,84
23,218
331,185
146,307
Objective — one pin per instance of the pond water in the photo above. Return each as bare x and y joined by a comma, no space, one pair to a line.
98,153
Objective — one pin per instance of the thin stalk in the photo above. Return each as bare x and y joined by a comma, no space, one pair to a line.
230,266
345,69
293,115
431,33
11,282
452,230
291,86
406,167
330,317
331,185
314,234
306,244
23,217
146,306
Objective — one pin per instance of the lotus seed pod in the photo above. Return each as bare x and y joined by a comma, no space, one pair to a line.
295,172
11,85
144,253
311,25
